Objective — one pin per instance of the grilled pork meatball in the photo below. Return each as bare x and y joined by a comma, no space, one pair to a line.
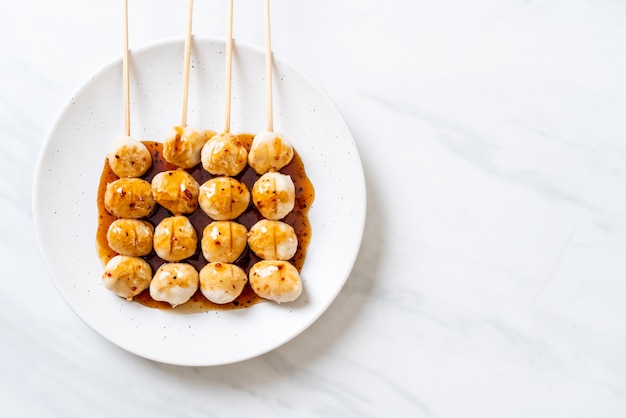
176,190
131,237
222,282
183,146
129,198
224,155
129,157
223,198
174,283
274,195
127,276
270,151
275,280
273,240
223,241
175,238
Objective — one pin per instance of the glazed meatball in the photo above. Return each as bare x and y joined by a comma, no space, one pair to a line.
129,157
223,198
127,276
176,190
270,151
273,240
222,282
223,241
132,237
174,283
183,146
175,238
224,155
129,198
275,280
274,195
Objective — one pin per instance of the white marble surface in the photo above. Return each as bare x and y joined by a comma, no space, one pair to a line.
491,281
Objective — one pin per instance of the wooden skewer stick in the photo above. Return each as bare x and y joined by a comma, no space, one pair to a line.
268,69
229,65
186,68
125,73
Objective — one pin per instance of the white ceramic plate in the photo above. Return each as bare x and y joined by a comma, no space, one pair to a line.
70,165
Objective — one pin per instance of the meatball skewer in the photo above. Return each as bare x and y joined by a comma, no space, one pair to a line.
128,157
224,154
269,151
183,145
